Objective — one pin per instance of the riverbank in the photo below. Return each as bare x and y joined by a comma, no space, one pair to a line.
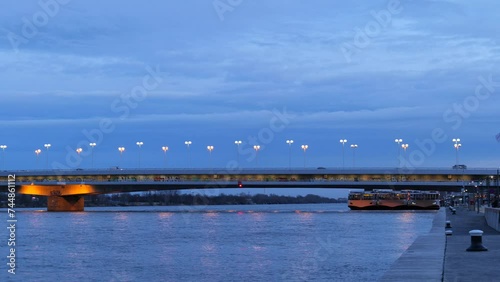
437,257
460,265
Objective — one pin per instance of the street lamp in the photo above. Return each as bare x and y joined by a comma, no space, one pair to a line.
3,147
343,141
289,142
47,146
478,195
404,146
399,149
37,152
210,149
238,143
78,151
457,146
121,149
139,143
256,148
304,147
188,143
498,187
165,149
353,146
92,145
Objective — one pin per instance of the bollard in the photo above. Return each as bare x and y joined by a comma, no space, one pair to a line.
448,224
448,232
476,241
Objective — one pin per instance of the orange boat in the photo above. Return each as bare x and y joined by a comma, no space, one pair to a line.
394,200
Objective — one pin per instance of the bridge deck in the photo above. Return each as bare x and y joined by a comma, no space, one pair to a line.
129,180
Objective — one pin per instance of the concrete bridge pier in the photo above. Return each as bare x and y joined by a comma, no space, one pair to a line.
61,197
65,203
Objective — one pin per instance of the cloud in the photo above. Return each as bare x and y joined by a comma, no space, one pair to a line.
265,55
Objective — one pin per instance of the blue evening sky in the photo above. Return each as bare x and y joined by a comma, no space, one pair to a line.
263,72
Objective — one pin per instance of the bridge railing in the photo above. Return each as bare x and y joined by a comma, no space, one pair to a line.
309,170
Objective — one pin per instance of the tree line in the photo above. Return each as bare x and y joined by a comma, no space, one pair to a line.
174,198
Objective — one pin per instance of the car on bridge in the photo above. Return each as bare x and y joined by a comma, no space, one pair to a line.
459,166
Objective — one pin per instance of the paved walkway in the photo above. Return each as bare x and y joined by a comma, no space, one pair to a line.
437,257
423,260
460,265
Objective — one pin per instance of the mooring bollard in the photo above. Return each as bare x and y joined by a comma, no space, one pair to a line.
448,224
453,210
476,241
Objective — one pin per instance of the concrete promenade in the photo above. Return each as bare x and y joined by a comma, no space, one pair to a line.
460,265
437,257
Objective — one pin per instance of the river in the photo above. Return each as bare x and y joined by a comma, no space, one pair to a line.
316,242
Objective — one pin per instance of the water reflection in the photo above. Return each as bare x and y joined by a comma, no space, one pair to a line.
258,216
36,219
305,217
165,215
257,243
211,214
121,216
407,217
408,233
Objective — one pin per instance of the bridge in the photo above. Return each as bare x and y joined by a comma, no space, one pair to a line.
65,188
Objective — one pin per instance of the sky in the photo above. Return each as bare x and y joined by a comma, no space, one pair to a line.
262,72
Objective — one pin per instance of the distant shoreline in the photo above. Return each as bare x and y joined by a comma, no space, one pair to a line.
173,198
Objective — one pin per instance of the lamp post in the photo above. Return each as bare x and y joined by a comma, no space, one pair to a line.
210,148
78,151
238,143
304,147
478,195
256,148
47,146
165,149
121,150
139,143
3,147
92,145
289,142
343,141
498,188
37,152
188,143
404,146
353,146
457,146
399,150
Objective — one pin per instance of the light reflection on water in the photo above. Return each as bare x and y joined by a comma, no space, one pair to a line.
215,243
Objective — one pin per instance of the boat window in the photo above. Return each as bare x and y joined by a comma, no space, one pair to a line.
368,197
356,196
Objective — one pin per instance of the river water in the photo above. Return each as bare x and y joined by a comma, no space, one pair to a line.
320,242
